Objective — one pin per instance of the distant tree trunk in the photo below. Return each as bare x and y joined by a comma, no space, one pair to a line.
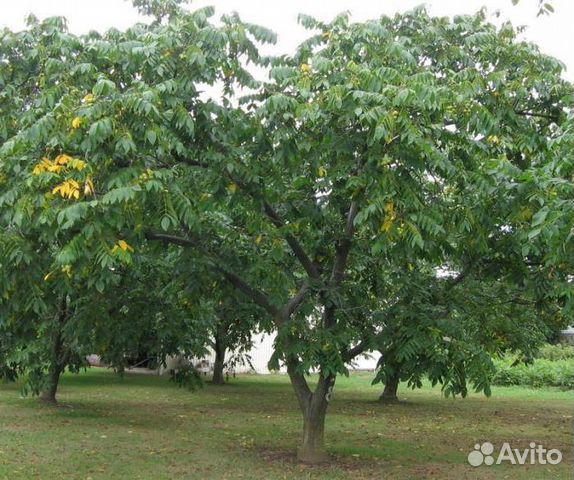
389,394
57,361
314,408
220,348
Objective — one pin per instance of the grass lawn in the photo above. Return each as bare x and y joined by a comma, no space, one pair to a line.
144,427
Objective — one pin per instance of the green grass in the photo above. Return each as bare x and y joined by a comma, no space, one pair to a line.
144,427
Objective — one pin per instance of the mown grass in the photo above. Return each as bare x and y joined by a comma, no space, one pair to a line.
144,427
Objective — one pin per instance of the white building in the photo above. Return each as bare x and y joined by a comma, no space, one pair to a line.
261,353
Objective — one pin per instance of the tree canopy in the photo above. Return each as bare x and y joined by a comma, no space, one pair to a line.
392,183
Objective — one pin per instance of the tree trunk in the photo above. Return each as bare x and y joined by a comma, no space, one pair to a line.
218,378
49,394
312,450
57,361
389,394
314,408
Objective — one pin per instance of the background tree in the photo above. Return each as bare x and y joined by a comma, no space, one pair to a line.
234,322
74,111
449,328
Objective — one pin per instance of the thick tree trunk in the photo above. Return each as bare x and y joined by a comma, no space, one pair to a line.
57,361
314,408
218,378
49,394
389,394
312,450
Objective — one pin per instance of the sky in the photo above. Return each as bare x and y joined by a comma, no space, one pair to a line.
554,34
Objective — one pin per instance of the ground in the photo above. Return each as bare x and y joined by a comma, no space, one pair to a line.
144,427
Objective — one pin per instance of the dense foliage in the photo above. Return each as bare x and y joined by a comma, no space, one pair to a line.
400,185
540,373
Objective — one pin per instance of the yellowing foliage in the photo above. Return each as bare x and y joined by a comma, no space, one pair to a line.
305,68
77,164
68,189
89,99
88,187
145,176
67,269
322,171
60,163
232,188
123,246
62,159
390,216
76,123
46,165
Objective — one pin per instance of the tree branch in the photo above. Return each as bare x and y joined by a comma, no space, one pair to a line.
526,113
188,161
355,351
254,294
293,243
296,247
302,390
344,246
295,301
182,241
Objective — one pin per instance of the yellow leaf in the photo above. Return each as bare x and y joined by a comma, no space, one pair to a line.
259,239
89,99
54,168
322,172
47,276
88,187
77,164
231,188
125,246
46,165
387,225
76,122
62,159
305,68
67,269
68,189
389,217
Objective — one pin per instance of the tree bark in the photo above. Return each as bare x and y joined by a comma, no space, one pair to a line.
49,394
57,361
389,394
314,408
312,450
218,378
